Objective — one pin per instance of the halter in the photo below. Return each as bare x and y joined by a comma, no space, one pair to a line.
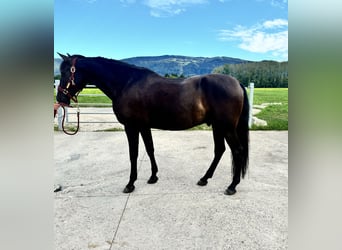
70,82
74,98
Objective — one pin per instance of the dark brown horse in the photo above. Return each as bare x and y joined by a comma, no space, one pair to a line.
143,100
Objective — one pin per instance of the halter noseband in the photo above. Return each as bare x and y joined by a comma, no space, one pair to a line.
70,82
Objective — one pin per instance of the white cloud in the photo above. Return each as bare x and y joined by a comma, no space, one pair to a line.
166,8
163,8
275,23
269,37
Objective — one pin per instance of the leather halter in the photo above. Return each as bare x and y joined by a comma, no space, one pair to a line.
71,82
74,98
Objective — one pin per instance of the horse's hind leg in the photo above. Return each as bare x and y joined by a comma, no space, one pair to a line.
148,141
219,150
237,161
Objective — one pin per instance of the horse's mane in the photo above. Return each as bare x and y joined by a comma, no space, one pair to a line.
124,64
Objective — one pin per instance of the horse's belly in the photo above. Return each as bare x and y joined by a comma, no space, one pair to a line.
171,124
177,120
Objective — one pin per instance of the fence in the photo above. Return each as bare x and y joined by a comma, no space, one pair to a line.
110,112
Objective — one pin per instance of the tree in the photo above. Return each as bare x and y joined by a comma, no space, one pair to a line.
265,74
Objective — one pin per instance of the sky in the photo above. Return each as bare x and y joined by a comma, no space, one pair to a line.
253,30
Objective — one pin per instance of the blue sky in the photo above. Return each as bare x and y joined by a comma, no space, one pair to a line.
248,29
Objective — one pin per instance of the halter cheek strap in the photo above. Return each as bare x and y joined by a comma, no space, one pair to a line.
72,70
71,82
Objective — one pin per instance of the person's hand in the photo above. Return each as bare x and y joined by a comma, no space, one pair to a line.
55,107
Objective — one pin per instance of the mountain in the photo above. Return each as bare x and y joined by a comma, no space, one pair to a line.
179,65
169,64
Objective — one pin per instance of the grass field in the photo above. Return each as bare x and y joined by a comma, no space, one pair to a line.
276,116
93,101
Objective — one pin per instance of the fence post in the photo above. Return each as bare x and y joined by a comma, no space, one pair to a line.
251,95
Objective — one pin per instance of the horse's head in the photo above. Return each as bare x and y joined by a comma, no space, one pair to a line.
71,82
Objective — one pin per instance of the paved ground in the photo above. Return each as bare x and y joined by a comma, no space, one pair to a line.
91,212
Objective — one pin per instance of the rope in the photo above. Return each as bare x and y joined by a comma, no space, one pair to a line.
78,121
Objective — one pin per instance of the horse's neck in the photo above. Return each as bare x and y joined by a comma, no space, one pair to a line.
107,77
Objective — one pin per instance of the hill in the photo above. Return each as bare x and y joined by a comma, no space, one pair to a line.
169,64
188,66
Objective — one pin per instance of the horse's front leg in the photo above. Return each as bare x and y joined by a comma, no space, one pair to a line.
148,141
133,143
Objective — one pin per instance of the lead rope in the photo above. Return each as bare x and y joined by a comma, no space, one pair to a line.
78,120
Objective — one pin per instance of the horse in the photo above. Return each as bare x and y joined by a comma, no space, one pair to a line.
142,99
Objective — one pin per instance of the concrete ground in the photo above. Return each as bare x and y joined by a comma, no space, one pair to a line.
91,212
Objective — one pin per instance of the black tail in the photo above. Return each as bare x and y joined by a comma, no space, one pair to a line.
243,133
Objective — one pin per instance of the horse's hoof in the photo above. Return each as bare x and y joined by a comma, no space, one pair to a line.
128,189
152,180
202,182
229,191
58,189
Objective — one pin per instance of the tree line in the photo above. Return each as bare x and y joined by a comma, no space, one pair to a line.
264,74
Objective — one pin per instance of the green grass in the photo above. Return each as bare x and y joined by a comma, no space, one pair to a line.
68,128
276,116
92,101
201,127
110,130
270,95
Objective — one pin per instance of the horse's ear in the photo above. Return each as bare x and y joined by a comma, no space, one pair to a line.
63,56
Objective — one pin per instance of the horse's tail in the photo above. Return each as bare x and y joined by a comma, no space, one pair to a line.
243,133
